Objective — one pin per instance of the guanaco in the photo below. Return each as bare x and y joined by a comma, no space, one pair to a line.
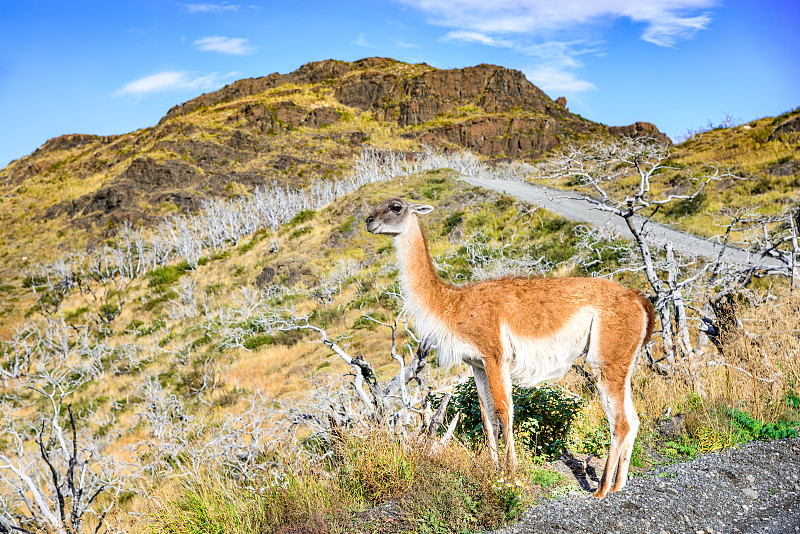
524,331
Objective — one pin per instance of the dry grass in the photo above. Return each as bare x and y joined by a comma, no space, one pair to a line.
453,491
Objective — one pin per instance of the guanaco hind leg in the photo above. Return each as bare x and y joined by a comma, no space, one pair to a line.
623,421
627,443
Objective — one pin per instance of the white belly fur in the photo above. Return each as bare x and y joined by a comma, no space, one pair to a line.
534,360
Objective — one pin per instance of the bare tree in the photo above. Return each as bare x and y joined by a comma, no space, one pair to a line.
56,484
620,175
402,403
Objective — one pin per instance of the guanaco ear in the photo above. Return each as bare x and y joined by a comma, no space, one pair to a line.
422,209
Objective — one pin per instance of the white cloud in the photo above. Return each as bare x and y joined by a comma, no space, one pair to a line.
557,63
476,37
666,21
666,31
212,8
403,44
524,26
226,45
361,40
173,81
552,79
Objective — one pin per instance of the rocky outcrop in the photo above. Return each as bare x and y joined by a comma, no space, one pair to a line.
286,115
787,126
371,84
321,117
491,136
640,129
314,72
418,99
67,142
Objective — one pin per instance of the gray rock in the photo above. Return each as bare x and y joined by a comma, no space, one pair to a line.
689,497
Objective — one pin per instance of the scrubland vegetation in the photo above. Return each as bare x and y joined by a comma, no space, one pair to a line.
249,369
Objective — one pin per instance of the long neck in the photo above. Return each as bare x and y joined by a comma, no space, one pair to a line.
421,282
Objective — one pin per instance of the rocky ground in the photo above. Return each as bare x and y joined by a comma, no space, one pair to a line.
749,489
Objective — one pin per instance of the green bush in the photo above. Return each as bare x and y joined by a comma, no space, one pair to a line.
303,216
761,430
542,416
504,202
452,220
256,342
303,230
347,224
168,274
362,323
151,304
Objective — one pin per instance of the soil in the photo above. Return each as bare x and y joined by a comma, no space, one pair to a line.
751,488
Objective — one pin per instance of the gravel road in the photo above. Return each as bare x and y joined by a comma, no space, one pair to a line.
562,203
751,489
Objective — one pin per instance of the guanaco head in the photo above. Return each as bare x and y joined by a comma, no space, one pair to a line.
393,217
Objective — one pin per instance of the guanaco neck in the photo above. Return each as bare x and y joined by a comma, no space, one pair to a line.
421,282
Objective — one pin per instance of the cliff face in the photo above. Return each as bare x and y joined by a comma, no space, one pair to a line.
455,107
285,128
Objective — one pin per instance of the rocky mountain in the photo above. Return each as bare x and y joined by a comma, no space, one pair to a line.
288,128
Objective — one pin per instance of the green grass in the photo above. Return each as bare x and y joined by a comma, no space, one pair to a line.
168,274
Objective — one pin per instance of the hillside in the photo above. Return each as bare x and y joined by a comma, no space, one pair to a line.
76,190
201,352
757,164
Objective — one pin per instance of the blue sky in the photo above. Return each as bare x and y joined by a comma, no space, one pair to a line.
113,67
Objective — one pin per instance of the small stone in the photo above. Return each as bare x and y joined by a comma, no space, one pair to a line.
751,478
750,492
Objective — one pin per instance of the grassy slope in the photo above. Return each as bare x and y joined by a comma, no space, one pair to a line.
744,151
311,249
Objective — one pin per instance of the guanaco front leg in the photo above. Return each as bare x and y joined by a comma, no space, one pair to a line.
491,423
499,378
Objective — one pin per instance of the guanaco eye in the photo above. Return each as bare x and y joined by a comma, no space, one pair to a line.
396,208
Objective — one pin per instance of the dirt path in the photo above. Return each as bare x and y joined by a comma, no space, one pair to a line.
562,203
750,489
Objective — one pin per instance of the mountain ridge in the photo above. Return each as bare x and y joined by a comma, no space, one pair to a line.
285,128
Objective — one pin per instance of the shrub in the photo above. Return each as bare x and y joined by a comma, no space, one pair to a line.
504,202
363,323
542,416
151,304
347,224
303,230
452,220
303,216
757,429
168,274
256,342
